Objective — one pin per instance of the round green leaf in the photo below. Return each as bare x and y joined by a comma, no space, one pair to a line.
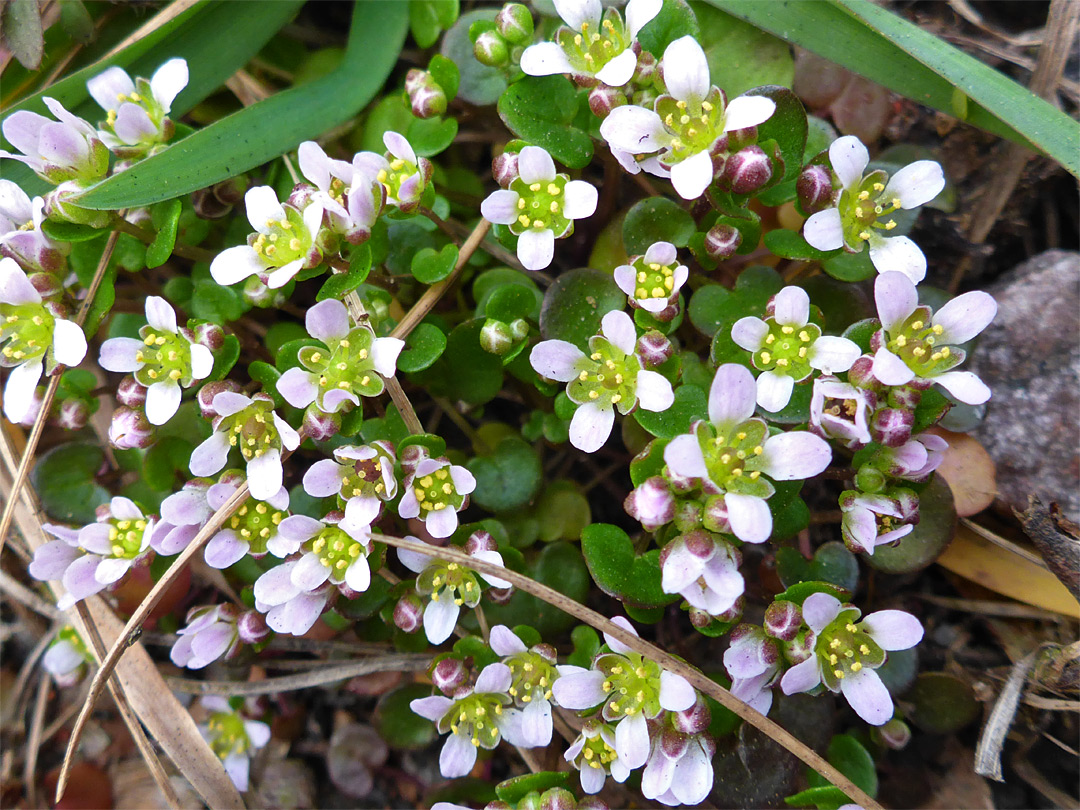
541,110
64,480
576,303
705,310
656,219
675,20
690,404
512,301
508,478
560,566
424,345
929,538
631,578
515,789
943,703
398,724
429,266
480,85
465,371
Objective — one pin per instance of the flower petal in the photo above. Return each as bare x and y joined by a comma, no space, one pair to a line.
750,518
795,455
536,249
618,327
556,359
457,757
747,111
964,317
309,572
168,80
504,641
801,677
893,629
536,723
868,696
162,401
964,386
654,391
324,478
676,693
384,355
235,264
107,87
633,129
262,204
579,199
732,395
160,315
576,12
442,523
849,159
831,354
224,549
264,474
544,59
819,611
69,342
535,165
632,740
825,230
774,390
916,184
440,618
890,369
692,176
500,206
791,307
15,286
494,678
202,361
686,70
898,254
19,391
683,456
328,320
640,12
749,333
432,708
578,688
358,574
619,70
591,427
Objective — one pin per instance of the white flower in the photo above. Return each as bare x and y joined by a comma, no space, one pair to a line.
678,136
21,236
540,206
610,376
351,195
589,48
136,110
864,200
703,570
652,282
786,347
435,491
36,341
233,738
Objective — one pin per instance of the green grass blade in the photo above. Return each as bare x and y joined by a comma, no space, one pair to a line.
254,135
893,52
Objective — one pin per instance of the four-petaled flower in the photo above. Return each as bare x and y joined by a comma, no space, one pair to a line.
679,771
786,347
67,658
686,126
474,718
732,451
255,528
704,570
435,491
540,206
914,348
652,282
36,341
863,202
210,634
250,424
284,242
593,754
362,477
58,151
350,365
839,410
846,653
92,558
21,236
403,175
351,196
331,551
136,111
752,661
610,376
166,359
589,48
533,672
232,737
874,520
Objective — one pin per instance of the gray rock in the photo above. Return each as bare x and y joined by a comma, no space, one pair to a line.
1030,357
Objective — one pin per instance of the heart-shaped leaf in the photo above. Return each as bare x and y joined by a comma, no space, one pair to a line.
629,577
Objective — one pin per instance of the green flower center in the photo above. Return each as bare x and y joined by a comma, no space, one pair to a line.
843,649
607,376
366,478
653,280
785,350
449,581
253,429
594,47
863,207
632,684
734,460
347,365
125,537
846,408
165,356
532,676
916,343
393,178
143,96
228,735
437,491
476,717
69,635
288,239
597,753
336,549
694,126
28,328
256,522
541,205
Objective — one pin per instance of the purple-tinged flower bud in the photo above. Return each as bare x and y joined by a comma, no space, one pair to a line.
740,138
722,241
480,541
645,71
870,479
905,397
814,189
59,206
498,804
206,395
450,675
409,613
251,627
748,170
651,503
735,612
46,284
654,348
783,620
499,596
680,484
687,516
699,618
491,49
130,392
895,734
714,515
496,338
320,425
799,648
908,502
411,456
73,414
593,803
557,799
504,168
861,373
545,651
209,335
604,99
515,22
426,97
892,426
130,429
694,720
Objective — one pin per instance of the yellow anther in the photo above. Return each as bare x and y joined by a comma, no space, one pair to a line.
593,395
553,189
839,673
766,357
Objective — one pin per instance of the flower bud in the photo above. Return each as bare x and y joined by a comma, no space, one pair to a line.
748,170
519,328
320,425
557,799
426,97
694,720
687,515
714,515
130,392
259,295
814,189
499,596
73,414
209,335
491,49
498,804
799,648
722,241
905,397
604,99
654,348
699,618
892,426
46,284
783,620
251,627
645,71
480,541
409,613
515,23
651,503
592,803
58,206
206,395
411,456
739,138
504,168
909,504
530,801
449,675
870,479
130,429
496,338
861,373
895,734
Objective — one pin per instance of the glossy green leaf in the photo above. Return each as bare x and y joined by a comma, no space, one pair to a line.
465,371
430,136
648,462
791,245
68,231
690,404
656,219
825,797
165,217
676,19
576,303
508,478
619,572
515,789
256,134
64,480
398,724
480,85
787,127
225,358
430,266
943,703
424,345
887,49
541,110
337,285
705,308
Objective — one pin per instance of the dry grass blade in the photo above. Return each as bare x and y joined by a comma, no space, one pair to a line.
988,753
33,742
151,702
653,653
